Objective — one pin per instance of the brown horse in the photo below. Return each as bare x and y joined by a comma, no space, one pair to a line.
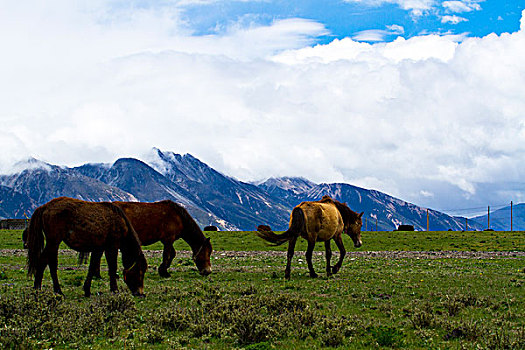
85,227
318,221
167,221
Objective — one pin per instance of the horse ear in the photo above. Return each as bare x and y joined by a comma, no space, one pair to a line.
361,214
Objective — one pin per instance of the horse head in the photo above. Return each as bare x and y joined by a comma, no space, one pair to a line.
134,276
354,230
201,257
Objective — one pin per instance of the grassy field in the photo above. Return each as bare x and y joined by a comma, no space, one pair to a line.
377,302
373,241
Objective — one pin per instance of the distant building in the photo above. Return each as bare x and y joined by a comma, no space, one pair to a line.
13,224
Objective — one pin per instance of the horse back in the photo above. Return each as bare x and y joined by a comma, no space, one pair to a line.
84,226
323,220
153,222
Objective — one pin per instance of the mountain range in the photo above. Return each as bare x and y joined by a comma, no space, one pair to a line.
211,197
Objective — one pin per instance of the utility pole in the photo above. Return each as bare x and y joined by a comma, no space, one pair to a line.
366,224
466,224
376,223
488,218
511,215
428,226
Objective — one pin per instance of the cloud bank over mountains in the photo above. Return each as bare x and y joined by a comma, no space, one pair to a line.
432,119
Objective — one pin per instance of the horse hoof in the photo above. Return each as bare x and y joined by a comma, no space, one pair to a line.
314,275
165,274
335,270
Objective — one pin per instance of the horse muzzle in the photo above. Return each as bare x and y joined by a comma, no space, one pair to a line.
139,292
205,272
358,244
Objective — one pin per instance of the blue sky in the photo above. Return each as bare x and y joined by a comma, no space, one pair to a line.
421,99
349,18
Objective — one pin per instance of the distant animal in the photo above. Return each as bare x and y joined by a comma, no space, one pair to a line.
211,228
318,221
405,228
24,237
84,227
166,221
263,228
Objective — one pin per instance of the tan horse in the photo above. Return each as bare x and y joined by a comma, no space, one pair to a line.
318,221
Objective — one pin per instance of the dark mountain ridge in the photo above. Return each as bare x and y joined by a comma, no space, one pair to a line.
210,196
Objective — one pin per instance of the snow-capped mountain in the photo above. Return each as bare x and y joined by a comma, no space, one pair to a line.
42,182
380,209
210,196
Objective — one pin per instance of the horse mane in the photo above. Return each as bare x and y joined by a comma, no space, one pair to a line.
349,216
192,233
326,199
132,244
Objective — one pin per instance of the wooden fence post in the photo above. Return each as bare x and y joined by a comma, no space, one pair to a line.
488,218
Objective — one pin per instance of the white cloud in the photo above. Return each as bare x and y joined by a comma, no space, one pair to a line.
372,35
419,48
461,6
426,193
417,7
396,29
428,110
378,35
453,19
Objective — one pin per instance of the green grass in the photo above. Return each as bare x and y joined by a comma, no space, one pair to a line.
372,241
373,302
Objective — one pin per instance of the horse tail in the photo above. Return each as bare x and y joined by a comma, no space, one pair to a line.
297,225
35,241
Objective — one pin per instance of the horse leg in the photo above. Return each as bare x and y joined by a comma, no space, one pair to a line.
167,257
94,268
289,256
42,263
111,258
309,253
52,256
95,259
342,252
328,250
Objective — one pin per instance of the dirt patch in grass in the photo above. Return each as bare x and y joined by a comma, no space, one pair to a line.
451,254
